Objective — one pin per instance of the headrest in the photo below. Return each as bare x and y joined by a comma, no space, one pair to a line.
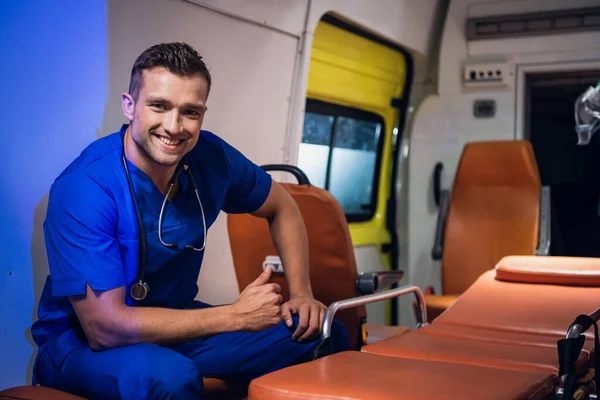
570,271
498,163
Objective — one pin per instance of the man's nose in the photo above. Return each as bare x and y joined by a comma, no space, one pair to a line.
172,123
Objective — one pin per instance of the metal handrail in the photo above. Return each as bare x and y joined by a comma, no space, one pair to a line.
371,298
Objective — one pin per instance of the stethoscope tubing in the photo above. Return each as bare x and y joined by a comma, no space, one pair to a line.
139,290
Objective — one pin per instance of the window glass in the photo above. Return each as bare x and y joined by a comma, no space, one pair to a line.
353,164
340,152
314,149
317,129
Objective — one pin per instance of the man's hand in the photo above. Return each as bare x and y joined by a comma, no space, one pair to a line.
258,307
291,243
311,314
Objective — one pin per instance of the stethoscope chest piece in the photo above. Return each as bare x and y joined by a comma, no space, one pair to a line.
139,290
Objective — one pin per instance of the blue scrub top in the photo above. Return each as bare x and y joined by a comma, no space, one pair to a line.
92,236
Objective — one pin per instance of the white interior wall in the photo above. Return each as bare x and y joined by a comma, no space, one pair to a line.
286,16
444,122
405,22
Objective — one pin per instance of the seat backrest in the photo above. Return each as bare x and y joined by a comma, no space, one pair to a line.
332,262
494,210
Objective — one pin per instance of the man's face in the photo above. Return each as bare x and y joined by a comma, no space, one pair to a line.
168,114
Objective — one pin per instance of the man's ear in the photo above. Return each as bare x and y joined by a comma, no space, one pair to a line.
128,105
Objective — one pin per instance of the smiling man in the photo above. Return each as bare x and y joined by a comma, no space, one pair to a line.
126,229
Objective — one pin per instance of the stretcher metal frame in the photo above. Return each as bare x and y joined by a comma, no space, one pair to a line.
372,298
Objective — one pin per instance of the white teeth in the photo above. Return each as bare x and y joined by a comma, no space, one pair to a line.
167,141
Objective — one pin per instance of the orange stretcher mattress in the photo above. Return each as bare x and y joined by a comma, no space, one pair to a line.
570,271
356,375
492,335
521,307
497,341
448,346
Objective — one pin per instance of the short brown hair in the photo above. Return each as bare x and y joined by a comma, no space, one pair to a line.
179,58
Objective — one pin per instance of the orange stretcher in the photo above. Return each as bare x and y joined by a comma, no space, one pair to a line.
497,341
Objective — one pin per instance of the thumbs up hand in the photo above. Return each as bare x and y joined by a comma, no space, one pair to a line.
258,307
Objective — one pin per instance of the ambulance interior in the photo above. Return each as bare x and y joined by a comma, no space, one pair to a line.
451,204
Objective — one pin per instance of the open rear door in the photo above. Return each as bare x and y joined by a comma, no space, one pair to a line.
356,89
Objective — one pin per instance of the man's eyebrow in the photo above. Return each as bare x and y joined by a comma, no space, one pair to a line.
195,106
156,99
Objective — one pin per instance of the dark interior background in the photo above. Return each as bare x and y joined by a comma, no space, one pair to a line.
571,171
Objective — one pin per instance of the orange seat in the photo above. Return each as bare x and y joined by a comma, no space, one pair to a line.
436,304
35,393
219,389
357,375
333,271
213,388
494,211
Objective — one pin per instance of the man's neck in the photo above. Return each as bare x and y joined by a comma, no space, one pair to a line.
160,175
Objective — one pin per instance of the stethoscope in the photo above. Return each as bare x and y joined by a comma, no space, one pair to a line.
140,289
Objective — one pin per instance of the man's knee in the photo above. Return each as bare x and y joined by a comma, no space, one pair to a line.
181,381
338,335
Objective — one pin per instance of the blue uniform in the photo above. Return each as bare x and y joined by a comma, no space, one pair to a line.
92,237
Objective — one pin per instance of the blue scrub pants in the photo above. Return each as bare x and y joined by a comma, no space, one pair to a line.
151,371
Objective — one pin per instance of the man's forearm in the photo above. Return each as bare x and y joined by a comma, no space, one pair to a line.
291,241
109,323
164,326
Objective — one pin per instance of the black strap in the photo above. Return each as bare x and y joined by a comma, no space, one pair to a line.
586,321
568,354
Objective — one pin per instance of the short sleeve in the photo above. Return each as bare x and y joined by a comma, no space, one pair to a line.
249,185
80,234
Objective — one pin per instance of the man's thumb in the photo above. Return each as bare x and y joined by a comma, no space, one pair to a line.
262,278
